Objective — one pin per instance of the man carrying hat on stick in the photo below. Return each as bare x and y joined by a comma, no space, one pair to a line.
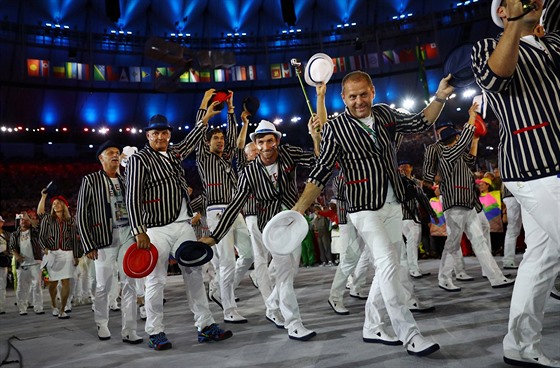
159,212
271,179
519,73
363,141
105,235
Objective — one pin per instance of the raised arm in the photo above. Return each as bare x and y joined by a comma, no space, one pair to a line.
432,111
242,137
42,202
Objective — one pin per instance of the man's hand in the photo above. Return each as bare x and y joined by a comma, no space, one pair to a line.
210,113
92,255
195,220
76,262
19,258
207,97
473,113
231,108
321,89
445,89
143,241
314,126
208,240
245,116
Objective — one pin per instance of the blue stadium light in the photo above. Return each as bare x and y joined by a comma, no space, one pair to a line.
48,24
173,35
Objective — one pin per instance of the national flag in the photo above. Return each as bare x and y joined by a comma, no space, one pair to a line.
251,72
373,60
99,72
239,73
146,74
185,77
205,76
33,67
123,75
228,73
276,71
161,71
45,68
135,74
422,76
112,73
71,70
82,71
340,64
431,50
194,76
390,57
407,55
59,71
170,71
219,75
286,70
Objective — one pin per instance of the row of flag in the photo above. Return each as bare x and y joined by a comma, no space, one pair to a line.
142,74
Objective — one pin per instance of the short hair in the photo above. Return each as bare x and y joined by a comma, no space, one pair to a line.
449,140
356,75
212,132
260,135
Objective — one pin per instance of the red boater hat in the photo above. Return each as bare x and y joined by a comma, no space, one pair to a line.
60,198
139,262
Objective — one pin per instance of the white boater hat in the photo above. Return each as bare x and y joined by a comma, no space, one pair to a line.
265,127
319,69
285,232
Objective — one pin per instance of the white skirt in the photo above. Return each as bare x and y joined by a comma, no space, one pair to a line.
60,264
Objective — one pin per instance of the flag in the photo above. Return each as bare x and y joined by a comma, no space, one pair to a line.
82,71
276,71
228,73
161,71
390,57
71,70
185,77
194,76
59,71
286,70
219,75
99,72
112,74
340,64
251,72
45,68
407,55
205,76
146,74
239,73
123,75
33,67
135,74
431,50
373,60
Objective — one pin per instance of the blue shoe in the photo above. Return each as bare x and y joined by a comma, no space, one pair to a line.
159,342
213,333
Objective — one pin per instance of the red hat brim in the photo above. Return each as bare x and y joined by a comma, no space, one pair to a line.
480,128
138,262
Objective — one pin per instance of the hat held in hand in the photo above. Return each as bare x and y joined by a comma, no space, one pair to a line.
193,253
319,69
139,262
285,232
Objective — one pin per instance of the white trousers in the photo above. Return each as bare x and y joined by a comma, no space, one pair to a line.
29,285
348,259
261,257
459,220
513,229
109,259
540,210
381,231
413,234
359,277
485,225
283,295
167,239
228,272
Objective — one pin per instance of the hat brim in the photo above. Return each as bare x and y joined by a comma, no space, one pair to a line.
480,128
312,63
139,262
277,134
494,13
458,64
285,232
193,253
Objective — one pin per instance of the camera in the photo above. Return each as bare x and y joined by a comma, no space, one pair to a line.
19,216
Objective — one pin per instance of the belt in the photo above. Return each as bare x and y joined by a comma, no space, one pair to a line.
119,226
216,207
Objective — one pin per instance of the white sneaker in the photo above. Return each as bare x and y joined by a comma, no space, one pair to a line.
338,307
275,317
130,337
63,315
537,359
103,332
463,276
234,317
504,282
421,346
380,336
449,286
299,332
358,295
55,312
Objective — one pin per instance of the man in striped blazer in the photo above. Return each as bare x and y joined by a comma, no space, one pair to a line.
105,236
214,161
459,199
159,212
363,141
271,178
519,73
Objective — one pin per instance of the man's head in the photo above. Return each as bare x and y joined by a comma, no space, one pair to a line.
251,151
358,93
216,141
405,167
109,156
449,136
158,133
500,12
441,125
267,139
25,221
